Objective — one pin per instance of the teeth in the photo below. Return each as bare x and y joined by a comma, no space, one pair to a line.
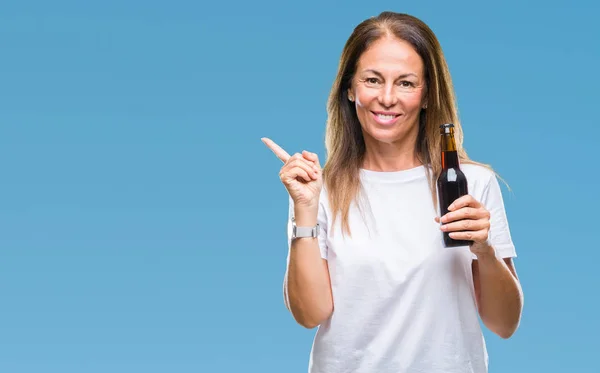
386,117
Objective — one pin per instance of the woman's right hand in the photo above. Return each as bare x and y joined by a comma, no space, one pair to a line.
301,175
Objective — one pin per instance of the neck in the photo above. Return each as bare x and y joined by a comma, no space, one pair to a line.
449,153
388,157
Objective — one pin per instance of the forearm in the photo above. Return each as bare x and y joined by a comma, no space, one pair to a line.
500,300
307,286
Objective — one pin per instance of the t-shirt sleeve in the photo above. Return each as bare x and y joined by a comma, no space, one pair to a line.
499,235
321,220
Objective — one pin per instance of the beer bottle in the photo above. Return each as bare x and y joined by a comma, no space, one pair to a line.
452,182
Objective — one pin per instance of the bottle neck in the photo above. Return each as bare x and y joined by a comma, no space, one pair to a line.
449,153
449,159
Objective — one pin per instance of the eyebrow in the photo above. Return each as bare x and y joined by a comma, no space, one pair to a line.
381,76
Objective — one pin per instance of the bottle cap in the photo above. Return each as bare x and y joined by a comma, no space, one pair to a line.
445,128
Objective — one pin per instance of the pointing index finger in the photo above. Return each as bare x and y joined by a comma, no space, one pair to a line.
278,150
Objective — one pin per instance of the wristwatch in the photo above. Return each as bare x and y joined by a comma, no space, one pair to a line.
300,232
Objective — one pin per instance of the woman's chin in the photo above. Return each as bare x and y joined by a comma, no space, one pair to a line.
389,135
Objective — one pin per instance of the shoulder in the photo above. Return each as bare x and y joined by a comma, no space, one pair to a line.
324,197
479,179
477,173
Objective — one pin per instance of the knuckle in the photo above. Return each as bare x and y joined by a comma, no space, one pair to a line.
466,224
469,235
297,163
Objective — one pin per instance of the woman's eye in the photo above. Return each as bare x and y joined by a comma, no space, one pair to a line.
406,84
372,80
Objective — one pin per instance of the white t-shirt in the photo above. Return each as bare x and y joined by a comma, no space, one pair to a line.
402,301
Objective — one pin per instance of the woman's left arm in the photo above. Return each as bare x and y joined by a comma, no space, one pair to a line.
498,292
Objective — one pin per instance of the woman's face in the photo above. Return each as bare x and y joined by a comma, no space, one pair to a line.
387,90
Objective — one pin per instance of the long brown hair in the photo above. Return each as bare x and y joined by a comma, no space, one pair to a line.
344,139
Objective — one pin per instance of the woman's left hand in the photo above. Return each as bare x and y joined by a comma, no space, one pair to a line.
468,219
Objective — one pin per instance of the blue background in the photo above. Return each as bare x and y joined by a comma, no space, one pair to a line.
142,220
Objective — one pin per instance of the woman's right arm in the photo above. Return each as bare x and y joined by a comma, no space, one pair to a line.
306,286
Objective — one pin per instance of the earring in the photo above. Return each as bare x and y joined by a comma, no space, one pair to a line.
351,98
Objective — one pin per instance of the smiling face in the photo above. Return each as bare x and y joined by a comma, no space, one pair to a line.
387,90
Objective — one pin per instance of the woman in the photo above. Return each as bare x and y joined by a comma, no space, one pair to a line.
366,259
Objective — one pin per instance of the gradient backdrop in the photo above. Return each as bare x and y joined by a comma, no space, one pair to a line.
142,220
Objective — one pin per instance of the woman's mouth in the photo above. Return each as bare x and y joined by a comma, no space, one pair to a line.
385,118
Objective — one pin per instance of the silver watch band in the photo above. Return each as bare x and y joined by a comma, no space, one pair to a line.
300,232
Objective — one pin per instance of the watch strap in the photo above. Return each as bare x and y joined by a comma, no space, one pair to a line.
300,232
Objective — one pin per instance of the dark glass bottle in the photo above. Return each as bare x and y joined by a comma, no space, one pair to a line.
452,182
